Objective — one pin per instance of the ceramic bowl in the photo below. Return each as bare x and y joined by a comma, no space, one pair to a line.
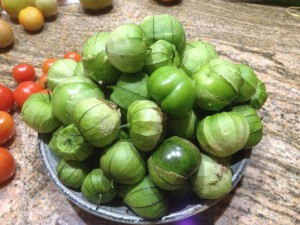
118,211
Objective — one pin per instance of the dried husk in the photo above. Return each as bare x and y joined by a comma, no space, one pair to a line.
59,71
164,27
98,188
95,61
223,134
38,114
146,200
255,124
260,96
213,178
123,163
98,121
146,124
126,48
173,162
71,145
218,83
72,173
196,54
161,53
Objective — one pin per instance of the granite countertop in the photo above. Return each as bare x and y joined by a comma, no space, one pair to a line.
264,36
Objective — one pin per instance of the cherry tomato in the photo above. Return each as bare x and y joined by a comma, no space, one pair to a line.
7,98
7,127
43,80
24,90
31,18
23,72
73,55
47,63
7,165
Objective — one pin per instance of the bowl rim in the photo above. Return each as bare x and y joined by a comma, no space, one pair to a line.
104,212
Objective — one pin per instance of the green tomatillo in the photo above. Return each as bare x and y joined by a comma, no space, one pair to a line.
223,134
218,83
126,48
172,89
173,162
260,96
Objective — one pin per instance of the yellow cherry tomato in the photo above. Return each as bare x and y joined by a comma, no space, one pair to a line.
31,18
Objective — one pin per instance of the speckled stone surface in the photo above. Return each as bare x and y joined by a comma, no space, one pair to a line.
263,36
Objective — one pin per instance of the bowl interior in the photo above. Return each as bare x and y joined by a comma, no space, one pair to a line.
117,211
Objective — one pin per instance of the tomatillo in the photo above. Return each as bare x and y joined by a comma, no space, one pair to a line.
172,89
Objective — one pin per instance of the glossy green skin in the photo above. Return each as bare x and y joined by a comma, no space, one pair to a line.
146,200
126,48
217,84
223,134
72,173
255,124
173,162
164,27
66,96
174,91
37,113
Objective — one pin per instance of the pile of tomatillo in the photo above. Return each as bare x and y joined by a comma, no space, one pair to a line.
147,113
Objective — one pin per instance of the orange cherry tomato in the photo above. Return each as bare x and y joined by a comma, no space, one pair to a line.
31,18
24,90
47,63
7,165
7,127
73,55
43,80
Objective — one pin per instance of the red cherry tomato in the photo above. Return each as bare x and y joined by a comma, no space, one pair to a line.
47,63
24,90
73,55
7,98
43,80
7,165
23,72
7,127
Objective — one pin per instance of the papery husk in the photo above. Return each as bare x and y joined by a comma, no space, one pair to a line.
146,200
213,178
161,53
260,96
59,71
98,121
218,83
38,114
126,48
71,145
123,163
255,124
250,83
196,54
72,173
146,124
98,188
164,27
223,134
